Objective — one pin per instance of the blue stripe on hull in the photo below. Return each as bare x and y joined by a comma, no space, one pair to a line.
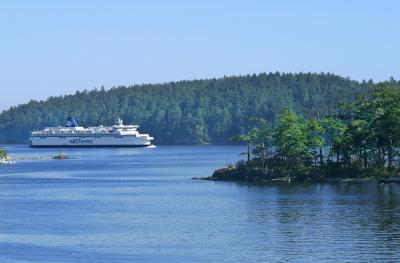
87,146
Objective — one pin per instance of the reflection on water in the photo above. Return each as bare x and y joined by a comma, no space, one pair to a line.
344,222
140,205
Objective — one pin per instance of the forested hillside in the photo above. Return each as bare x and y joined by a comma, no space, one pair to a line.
198,111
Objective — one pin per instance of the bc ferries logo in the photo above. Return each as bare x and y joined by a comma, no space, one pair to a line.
80,141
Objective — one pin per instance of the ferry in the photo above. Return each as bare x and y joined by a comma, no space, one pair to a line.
73,135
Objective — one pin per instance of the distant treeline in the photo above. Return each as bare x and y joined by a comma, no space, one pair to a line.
189,112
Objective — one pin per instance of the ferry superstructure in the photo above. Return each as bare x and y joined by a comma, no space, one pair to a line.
73,135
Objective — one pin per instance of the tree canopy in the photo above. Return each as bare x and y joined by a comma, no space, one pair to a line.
188,112
360,139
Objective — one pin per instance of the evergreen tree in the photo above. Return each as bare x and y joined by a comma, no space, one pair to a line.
363,137
198,111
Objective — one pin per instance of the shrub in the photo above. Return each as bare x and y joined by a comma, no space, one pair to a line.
3,154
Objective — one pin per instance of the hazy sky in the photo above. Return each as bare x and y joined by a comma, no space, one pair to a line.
51,48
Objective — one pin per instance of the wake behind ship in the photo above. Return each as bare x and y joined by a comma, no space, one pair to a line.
72,135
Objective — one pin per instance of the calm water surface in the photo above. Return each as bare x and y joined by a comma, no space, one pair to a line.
140,205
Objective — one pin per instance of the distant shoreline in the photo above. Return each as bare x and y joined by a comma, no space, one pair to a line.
200,144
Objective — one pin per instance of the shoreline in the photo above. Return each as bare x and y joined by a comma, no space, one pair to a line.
246,174
291,181
30,158
12,160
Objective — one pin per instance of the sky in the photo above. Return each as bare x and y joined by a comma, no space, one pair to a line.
51,48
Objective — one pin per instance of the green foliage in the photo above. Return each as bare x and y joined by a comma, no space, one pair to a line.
291,137
3,153
198,111
361,140
372,137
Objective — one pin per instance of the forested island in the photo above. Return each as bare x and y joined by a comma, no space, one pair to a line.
189,112
361,140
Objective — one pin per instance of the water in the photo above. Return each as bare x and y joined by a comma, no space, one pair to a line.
140,205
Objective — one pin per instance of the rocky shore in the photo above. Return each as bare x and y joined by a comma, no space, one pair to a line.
248,175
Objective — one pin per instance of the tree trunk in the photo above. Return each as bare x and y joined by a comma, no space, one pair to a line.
379,153
264,158
337,157
365,158
248,151
321,157
390,154
315,159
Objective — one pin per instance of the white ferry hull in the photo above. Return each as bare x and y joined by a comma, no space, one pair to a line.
71,141
73,135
